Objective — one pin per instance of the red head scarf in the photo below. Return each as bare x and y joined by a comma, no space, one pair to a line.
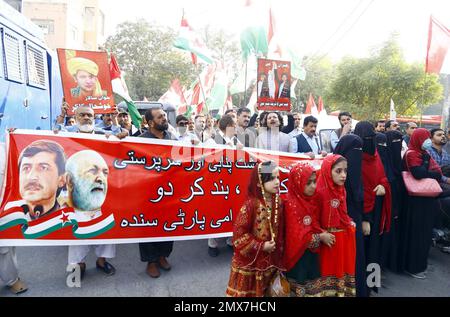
301,215
414,154
332,197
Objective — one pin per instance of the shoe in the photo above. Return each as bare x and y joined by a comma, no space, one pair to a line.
152,270
107,268
213,252
18,287
420,275
82,270
164,264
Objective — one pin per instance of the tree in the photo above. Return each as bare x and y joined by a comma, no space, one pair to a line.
145,53
319,75
365,86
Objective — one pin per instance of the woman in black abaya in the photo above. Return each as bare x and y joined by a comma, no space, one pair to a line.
391,240
350,147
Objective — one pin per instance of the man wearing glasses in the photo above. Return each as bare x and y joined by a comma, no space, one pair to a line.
185,135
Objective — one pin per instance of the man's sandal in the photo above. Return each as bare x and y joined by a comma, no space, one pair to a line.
18,287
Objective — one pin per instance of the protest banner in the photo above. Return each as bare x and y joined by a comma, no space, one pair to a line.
86,80
69,189
274,85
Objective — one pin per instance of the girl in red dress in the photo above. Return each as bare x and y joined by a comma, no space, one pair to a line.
337,262
258,235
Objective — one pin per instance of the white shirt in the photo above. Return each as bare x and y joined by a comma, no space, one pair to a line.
187,138
313,143
295,132
280,90
334,140
273,140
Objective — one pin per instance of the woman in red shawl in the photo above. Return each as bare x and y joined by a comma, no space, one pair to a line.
303,233
377,195
419,213
337,263
258,235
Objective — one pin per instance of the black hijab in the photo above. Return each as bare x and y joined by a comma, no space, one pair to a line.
394,144
382,149
366,132
350,147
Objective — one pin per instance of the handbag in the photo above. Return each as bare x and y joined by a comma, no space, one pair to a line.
279,286
425,187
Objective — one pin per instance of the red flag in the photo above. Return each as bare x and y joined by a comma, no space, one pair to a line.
438,44
185,23
175,96
320,106
310,104
114,69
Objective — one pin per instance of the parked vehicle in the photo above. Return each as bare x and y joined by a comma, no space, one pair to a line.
30,81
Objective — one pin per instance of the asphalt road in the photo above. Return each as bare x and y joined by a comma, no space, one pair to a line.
194,273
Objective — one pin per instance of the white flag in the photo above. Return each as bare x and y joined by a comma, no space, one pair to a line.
393,114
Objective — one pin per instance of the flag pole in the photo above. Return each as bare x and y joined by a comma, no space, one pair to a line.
201,89
245,83
423,96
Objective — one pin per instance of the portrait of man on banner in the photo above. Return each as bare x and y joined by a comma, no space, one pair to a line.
41,179
86,80
274,85
87,184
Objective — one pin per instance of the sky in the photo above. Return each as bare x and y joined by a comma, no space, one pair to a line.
311,27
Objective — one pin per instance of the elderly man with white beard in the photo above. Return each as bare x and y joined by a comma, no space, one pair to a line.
87,185
84,123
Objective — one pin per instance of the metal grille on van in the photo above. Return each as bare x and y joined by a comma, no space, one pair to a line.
36,67
14,69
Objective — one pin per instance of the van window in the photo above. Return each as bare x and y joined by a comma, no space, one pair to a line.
36,67
13,57
2,70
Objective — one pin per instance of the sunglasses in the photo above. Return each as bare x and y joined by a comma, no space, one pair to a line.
183,123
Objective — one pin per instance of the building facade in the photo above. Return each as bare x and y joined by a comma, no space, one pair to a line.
72,24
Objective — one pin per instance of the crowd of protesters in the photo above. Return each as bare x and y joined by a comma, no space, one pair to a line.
333,224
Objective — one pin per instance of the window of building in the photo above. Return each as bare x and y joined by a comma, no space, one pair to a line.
13,57
74,32
89,18
102,23
36,66
47,26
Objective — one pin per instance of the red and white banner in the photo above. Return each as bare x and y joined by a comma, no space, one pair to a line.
70,189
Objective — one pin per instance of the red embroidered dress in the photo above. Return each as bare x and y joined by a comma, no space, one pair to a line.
337,263
252,269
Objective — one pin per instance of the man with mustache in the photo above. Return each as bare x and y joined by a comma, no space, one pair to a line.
245,134
87,185
84,123
156,253
307,142
41,178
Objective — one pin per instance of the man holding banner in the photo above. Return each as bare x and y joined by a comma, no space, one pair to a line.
156,253
87,185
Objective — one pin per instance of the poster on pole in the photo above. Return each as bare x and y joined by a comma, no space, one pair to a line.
274,85
86,80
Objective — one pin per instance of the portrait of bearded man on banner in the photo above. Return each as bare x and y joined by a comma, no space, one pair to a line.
41,178
87,184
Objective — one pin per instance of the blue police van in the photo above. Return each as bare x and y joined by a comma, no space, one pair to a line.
30,81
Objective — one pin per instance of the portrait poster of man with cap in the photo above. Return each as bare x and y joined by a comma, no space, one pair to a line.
86,80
